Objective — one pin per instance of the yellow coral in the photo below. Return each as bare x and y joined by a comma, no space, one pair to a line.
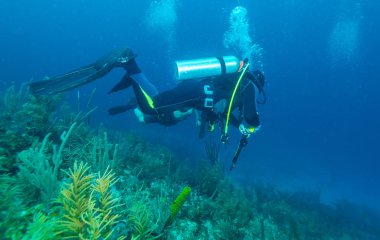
106,202
87,206
74,200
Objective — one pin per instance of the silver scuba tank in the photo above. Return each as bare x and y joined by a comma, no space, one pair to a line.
206,67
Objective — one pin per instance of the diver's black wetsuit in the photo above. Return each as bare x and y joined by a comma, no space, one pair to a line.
191,94
187,95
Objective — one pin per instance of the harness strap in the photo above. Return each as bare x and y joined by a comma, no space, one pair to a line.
222,64
232,99
209,99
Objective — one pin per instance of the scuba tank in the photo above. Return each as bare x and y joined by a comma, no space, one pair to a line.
206,67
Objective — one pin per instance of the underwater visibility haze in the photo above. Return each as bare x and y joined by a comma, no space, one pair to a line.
71,171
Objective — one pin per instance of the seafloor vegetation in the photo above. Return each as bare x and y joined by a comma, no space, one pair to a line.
62,179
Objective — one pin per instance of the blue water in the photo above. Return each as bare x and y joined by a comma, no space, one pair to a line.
320,127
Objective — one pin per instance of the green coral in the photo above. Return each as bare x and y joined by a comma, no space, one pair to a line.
177,204
13,209
42,227
155,161
141,220
41,170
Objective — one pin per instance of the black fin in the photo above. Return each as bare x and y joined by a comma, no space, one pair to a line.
132,103
84,74
69,80
124,83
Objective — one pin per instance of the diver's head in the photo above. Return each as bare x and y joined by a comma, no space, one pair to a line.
258,79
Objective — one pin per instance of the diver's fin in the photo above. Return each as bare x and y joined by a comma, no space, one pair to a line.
69,80
84,75
132,103
118,110
124,83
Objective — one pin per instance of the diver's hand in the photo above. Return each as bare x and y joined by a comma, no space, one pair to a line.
247,131
198,118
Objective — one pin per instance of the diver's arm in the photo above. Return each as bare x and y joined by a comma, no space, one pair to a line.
250,115
198,117
235,121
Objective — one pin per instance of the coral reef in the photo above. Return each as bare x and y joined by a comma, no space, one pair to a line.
62,179
87,206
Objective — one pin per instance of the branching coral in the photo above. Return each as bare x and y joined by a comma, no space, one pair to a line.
42,227
103,154
13,100
74,200
106,202
146,206
154,161
143,227
42,171
87,207
146,214
12,222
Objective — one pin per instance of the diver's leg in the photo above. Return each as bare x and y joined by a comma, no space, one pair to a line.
139,115
143,81
145,118
184,96
144,100
134,72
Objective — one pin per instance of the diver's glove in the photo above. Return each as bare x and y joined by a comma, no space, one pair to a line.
247,131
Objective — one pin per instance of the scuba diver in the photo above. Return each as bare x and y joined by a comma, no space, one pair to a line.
209,88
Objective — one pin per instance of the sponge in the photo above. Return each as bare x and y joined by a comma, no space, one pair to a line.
177,204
